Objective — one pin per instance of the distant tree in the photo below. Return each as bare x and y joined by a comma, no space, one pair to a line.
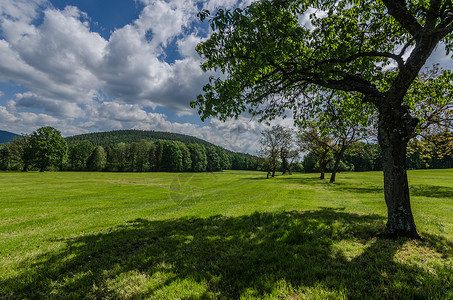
78,155
152,161
49,147
214,163
225,162
364,157
287,150
138,156
319,146
310,162
431,151
97,159
198,157
5,157
238,162
21,151
186,160
270,150
158,152
117,158
341,143
171,160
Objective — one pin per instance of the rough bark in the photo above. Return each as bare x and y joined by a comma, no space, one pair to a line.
396,127
322,169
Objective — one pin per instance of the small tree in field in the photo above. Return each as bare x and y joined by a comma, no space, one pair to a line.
371,50
270,150
49,148
319,146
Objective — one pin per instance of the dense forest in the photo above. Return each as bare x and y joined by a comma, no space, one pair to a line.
46,149
110,138
144,151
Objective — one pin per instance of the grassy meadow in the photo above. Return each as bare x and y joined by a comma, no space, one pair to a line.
225,235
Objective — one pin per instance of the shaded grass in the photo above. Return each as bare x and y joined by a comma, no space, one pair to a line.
166,236
232,257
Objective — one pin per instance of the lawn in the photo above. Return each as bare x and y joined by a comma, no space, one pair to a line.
223,235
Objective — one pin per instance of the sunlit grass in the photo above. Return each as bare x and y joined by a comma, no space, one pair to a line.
220,235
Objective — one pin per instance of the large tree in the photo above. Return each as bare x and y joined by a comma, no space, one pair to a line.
49,148
275,59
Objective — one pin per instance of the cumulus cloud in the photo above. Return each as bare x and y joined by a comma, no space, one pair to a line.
61,59
22,10
79,81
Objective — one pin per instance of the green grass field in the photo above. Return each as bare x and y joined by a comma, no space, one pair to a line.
220,235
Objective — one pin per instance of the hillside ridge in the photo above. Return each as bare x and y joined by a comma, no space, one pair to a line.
113,137
6,136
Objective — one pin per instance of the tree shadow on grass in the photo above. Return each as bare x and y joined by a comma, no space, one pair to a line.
361,189
286,178
425,190
275,254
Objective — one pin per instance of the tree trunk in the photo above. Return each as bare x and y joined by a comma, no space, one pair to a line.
284,161
337,164
395,130
284,165
322,165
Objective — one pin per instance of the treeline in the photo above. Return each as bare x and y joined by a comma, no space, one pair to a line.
367,157
45,149
132,136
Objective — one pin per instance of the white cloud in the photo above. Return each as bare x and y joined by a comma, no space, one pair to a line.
61,61
24,11
26,122
33,101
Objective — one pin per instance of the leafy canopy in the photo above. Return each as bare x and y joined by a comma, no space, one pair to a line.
278,54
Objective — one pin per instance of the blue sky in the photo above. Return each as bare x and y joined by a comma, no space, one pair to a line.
97,65
105,16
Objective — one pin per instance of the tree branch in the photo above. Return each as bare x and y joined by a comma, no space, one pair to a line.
398,10
433,14
353,57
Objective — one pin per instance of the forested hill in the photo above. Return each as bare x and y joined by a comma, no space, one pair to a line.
6,137
131,136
